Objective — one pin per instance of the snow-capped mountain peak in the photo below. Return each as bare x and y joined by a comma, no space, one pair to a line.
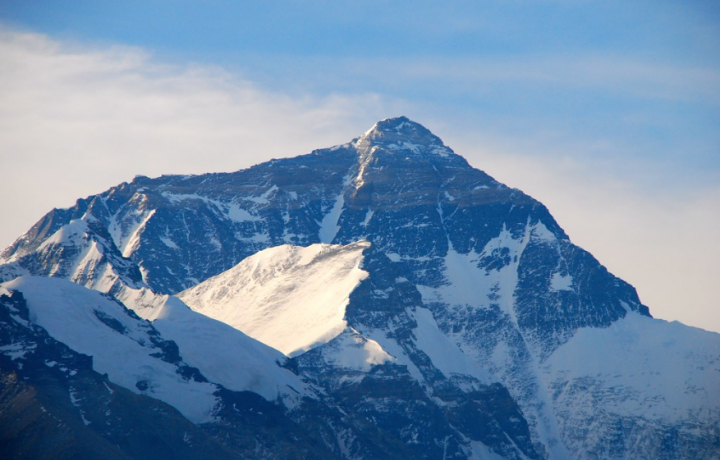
423,309
401,135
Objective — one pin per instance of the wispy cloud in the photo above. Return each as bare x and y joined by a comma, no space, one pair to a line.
76,120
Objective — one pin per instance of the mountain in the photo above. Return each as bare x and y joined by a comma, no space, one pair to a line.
420,309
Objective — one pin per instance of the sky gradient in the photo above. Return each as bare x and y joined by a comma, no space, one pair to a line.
607,112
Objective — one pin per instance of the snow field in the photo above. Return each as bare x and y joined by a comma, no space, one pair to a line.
290,298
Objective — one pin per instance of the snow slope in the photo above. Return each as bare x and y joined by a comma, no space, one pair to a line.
122,345
288,297
227,356
641,373
125,346
222,353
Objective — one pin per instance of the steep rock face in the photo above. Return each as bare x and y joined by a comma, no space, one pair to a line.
411,380
382,361
454,343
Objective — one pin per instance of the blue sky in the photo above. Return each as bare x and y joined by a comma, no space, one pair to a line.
606,111
641,73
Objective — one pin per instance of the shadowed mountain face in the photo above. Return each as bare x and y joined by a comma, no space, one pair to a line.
472,294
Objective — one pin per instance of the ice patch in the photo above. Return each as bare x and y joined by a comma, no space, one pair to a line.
368,216
17,350
467,284
541,232
479,451
351,350
263,199
330,223
237,214
443,353
230,210
560,282
405,145
130,244
441,150
396,351
169,243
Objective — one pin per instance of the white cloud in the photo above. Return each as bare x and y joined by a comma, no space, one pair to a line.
75,121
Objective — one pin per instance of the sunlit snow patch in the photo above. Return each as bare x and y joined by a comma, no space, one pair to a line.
351,350
291,298
222,353
560,282
444,354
